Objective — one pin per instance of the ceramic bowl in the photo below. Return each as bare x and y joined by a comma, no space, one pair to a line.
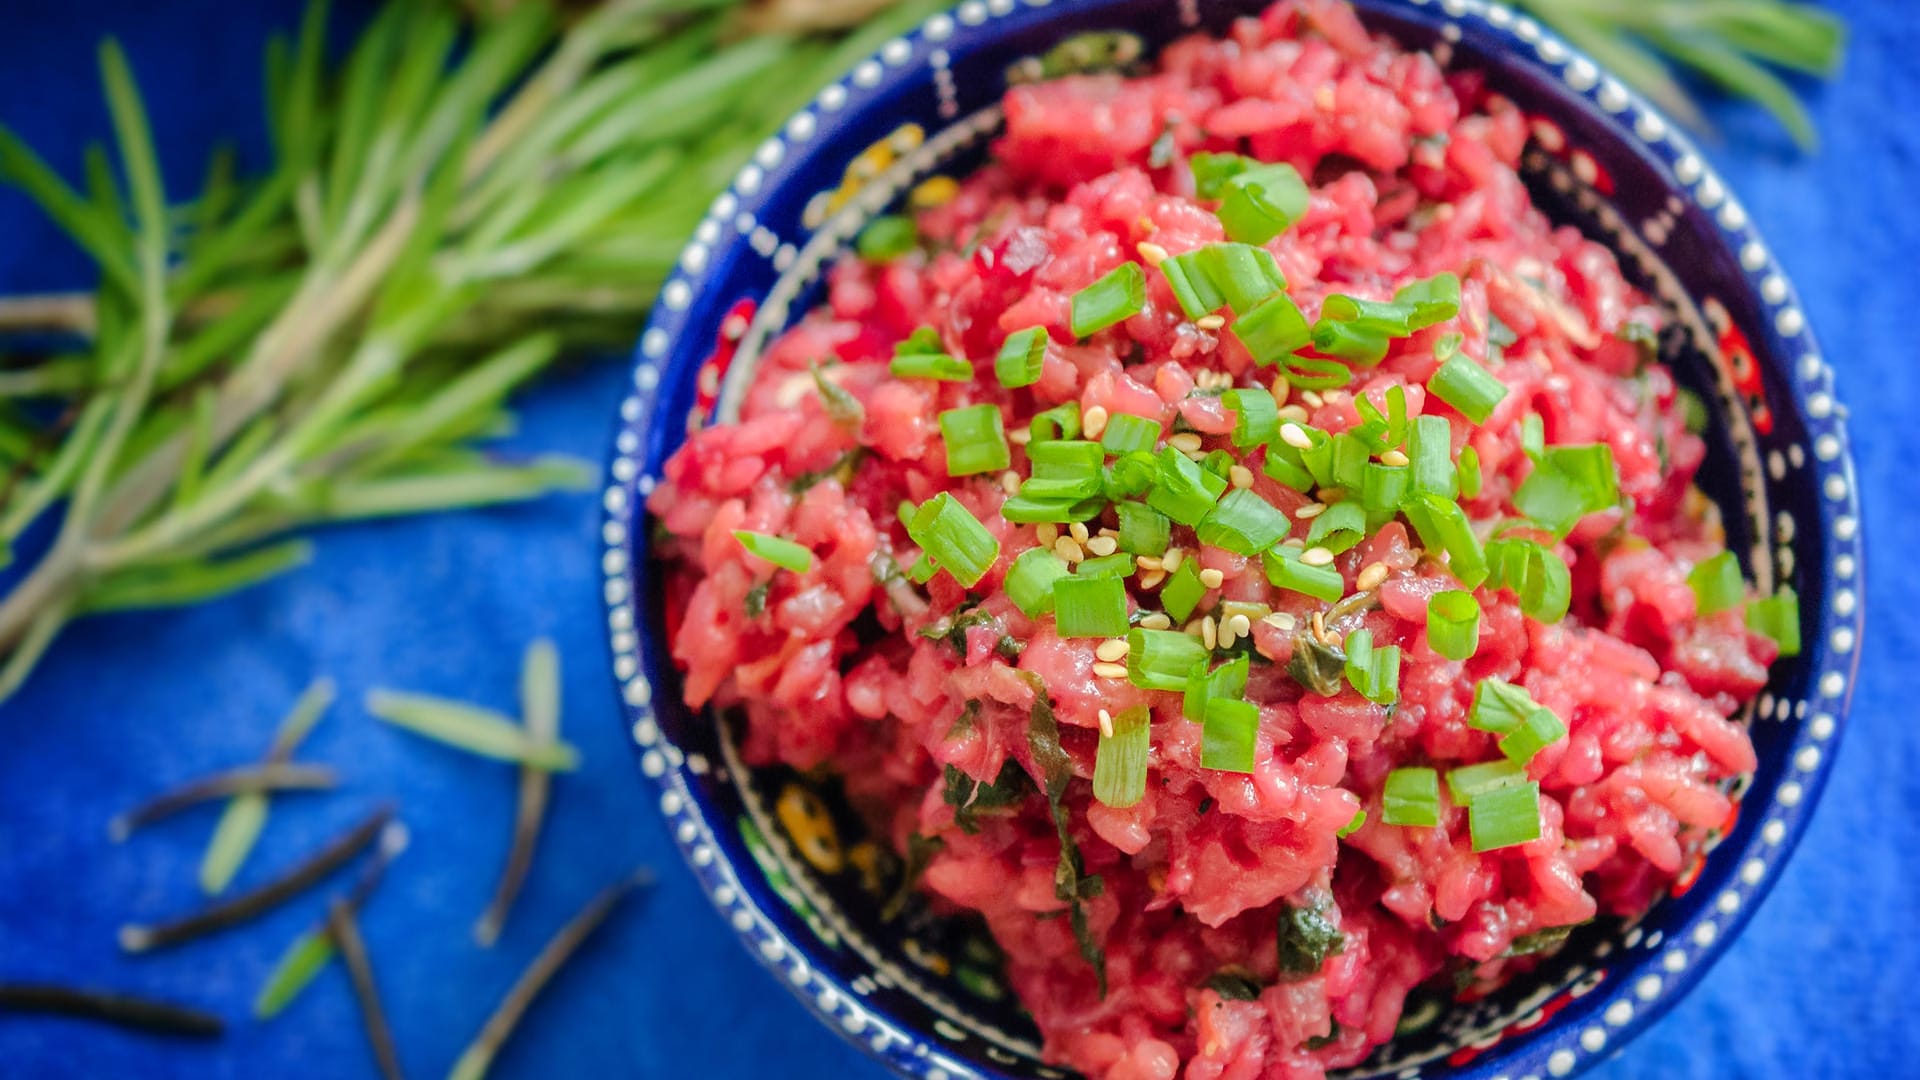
786,863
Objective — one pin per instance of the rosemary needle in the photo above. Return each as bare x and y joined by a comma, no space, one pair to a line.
478,1058
136,938
307,955
240,824
540,714
345,931
247,780
122,1010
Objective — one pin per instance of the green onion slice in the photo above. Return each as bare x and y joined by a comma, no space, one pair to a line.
921,356
1182,592
1778,617
1717,584
1229,680
1030,580
1115,297
1243,523
1162,659
1143,530
1374,673
1338,527
887,238
1351,827
1443,526
1411,797
1453,624
1227,738
954,539
1503,817
1184,491
1567,484
1430,450
975,441
1469,781
1535,732
1090,606
1060,422
1120,762
1126,433
1471,389
777,550
1021,357
1243,275
1256,416
1536,575
1433,301
1286,571
1064,469
1469,472
1499,706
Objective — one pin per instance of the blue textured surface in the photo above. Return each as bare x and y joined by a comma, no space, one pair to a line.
1816,987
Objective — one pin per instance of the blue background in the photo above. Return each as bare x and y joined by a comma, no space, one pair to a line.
1818,986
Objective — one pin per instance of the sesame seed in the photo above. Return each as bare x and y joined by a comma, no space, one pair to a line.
1281,388
1147,562
1186,442
1046,533
1112,650
1153,253
1070,551
1241,626
1110,671
1009,481
1078,530
1320,625
1294,413
1335,638
1241,476
1312,399
1293,542
1393,457
1170,559
1103,545
1295,436
1210,322
1226,636
1106,724
1209,633
1281,620
1371,577
1192,629
1310,510
1108,532
1156,620
1093,421
1317,556
1212,578
1152,579
1020,436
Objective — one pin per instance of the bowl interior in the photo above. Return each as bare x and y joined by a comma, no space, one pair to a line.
792,867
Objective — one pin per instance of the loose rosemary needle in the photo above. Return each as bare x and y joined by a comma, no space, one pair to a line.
240,824
344,928
307,955
540,715
248,780
110,1007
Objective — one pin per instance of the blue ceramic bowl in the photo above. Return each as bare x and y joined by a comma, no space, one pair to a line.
921,994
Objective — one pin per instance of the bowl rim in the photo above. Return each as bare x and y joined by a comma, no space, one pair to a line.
1819,718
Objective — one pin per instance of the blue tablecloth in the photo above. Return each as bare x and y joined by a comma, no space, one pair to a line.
1817,987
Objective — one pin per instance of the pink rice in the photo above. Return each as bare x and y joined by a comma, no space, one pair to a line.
1413,173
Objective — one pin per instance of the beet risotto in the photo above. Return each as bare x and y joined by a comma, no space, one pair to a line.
1250,546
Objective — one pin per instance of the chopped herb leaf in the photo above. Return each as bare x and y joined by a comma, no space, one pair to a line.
1071,883
920,852
757,599
1234,984
968,796
1317,666
1540,940
1307,938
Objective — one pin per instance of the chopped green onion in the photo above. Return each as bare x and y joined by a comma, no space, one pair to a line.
1116,297
1119,564
1273,330
1283,463
1453,624
1229,680
1126,433
1382,431
887,238
1064,469
1183,591
1060,422
1090,606
1367,316
1536,731
975,441
1316,373
1567,484
1349,342
1212,171
1533,435
1028,510
1469,781
1431,449
1130,475
1351,827
1717,584
777,550
1434,300
1021,358
923,569
1243,523
1382,487
1227,738
1778,617
1374,673
1219,463
954,539
1120,763
1338,527
1162,659
1535,574
1469,388
1350,457
1504,816
921,356
1261,202
1191,287
1469,472
1242,274
1317,456
1499,706
1693,411
1030,581
1184,491
1143,530
1411,797
1286,571
1256,416
1443,526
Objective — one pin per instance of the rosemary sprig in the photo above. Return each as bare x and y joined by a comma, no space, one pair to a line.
450,209
1733,44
